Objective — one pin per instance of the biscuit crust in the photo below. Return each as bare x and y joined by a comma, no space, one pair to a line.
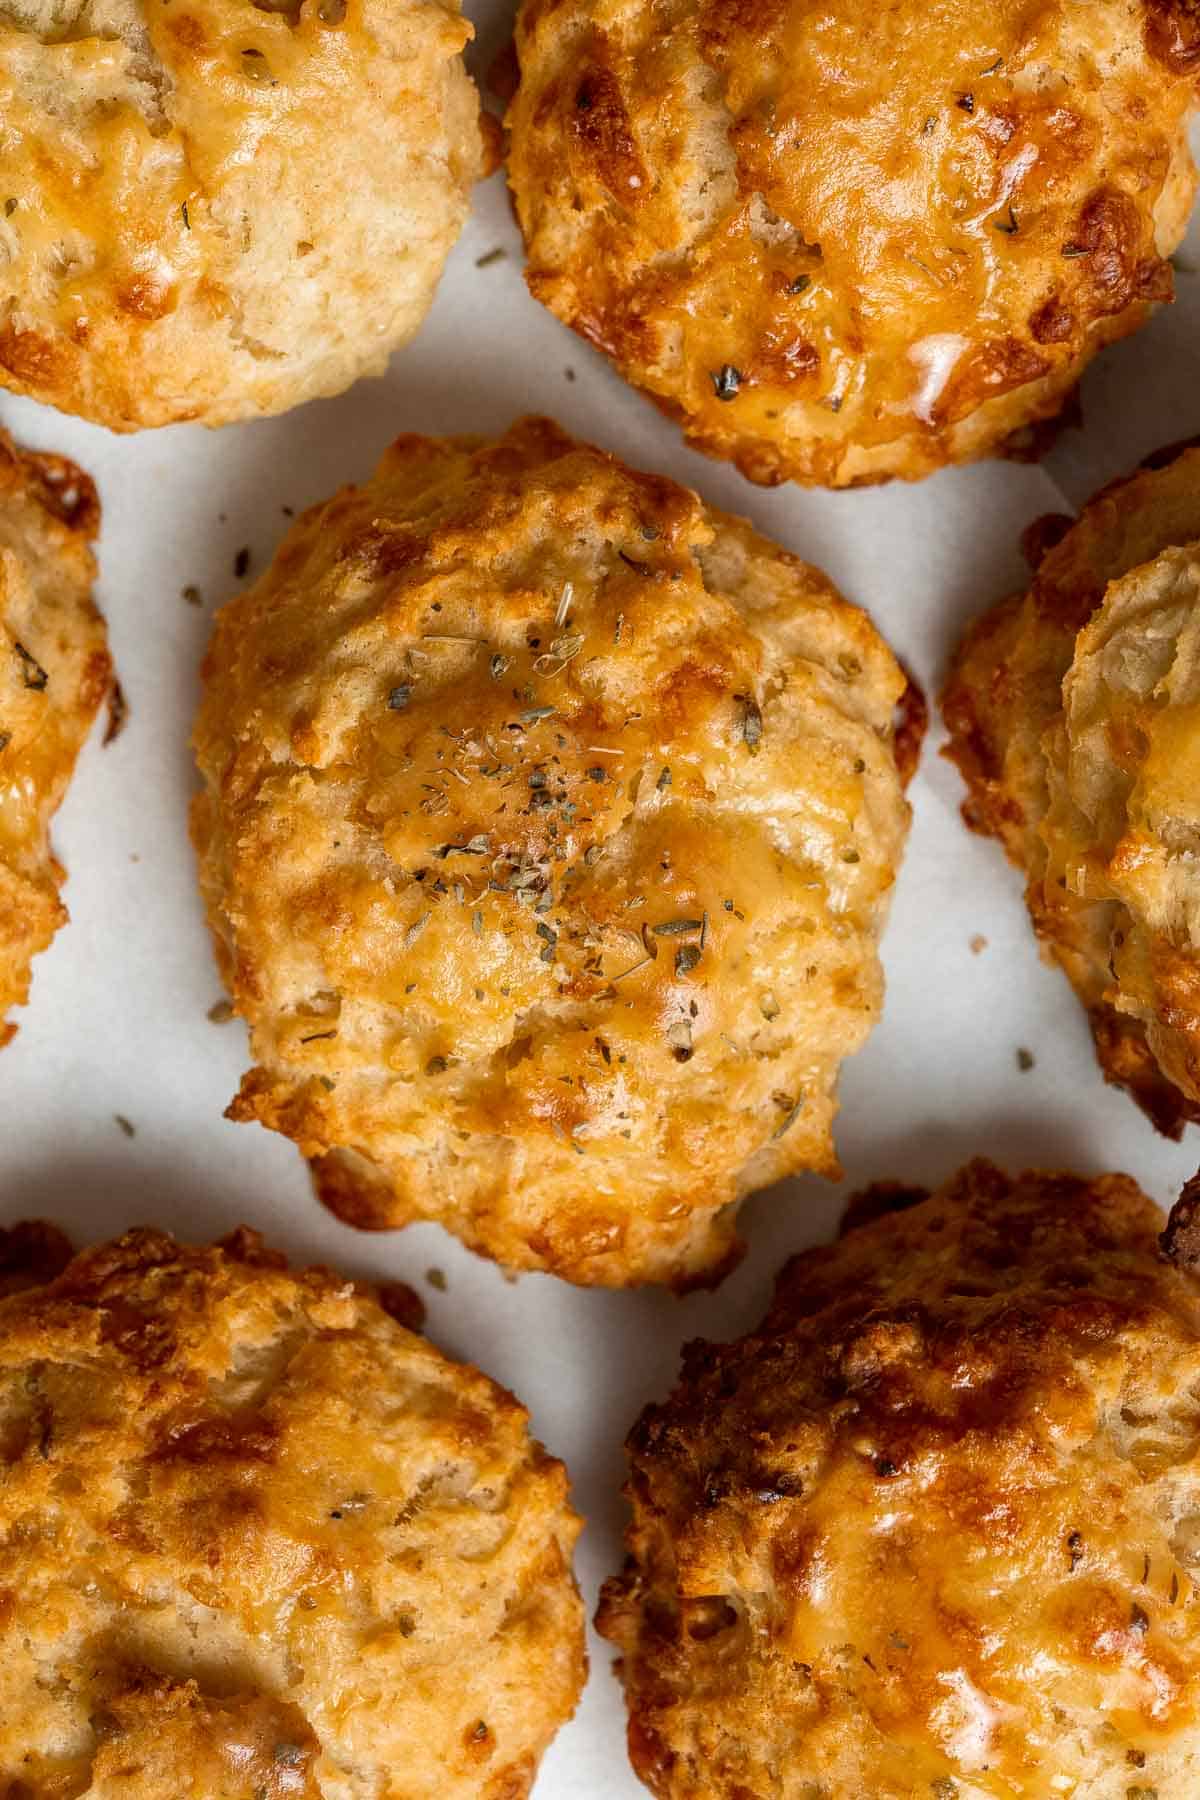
1071,713
840,243
934,1527
548,828
54,673
213,210
257,1540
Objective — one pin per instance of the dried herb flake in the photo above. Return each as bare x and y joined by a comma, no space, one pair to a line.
33,674
478,845
750,722
726,381
789,1118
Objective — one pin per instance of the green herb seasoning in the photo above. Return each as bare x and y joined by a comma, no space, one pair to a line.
476,846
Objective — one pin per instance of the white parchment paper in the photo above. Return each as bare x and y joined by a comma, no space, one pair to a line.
118,1021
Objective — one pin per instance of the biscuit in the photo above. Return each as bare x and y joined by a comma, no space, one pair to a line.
549,824
213,210
257,1540
933,1529
840,243
54,673
1072,716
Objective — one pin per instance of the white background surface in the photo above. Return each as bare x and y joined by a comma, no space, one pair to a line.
118,1020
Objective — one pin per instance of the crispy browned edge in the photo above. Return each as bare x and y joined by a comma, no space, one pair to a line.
34,1253
68,494
1125,1058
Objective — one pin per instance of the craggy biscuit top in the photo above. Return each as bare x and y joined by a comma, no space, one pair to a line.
54,673
549,824
257,1540
1074,715
217,208
842,242
933,1528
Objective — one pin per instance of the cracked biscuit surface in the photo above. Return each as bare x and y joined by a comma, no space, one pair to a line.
257,1540
1072,713
549,824
839,242
215,209
933,1529
54,674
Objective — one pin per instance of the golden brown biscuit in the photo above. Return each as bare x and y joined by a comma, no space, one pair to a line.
54,673
932,1532
549,825
1072,713
213,209
257,1540
840,242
